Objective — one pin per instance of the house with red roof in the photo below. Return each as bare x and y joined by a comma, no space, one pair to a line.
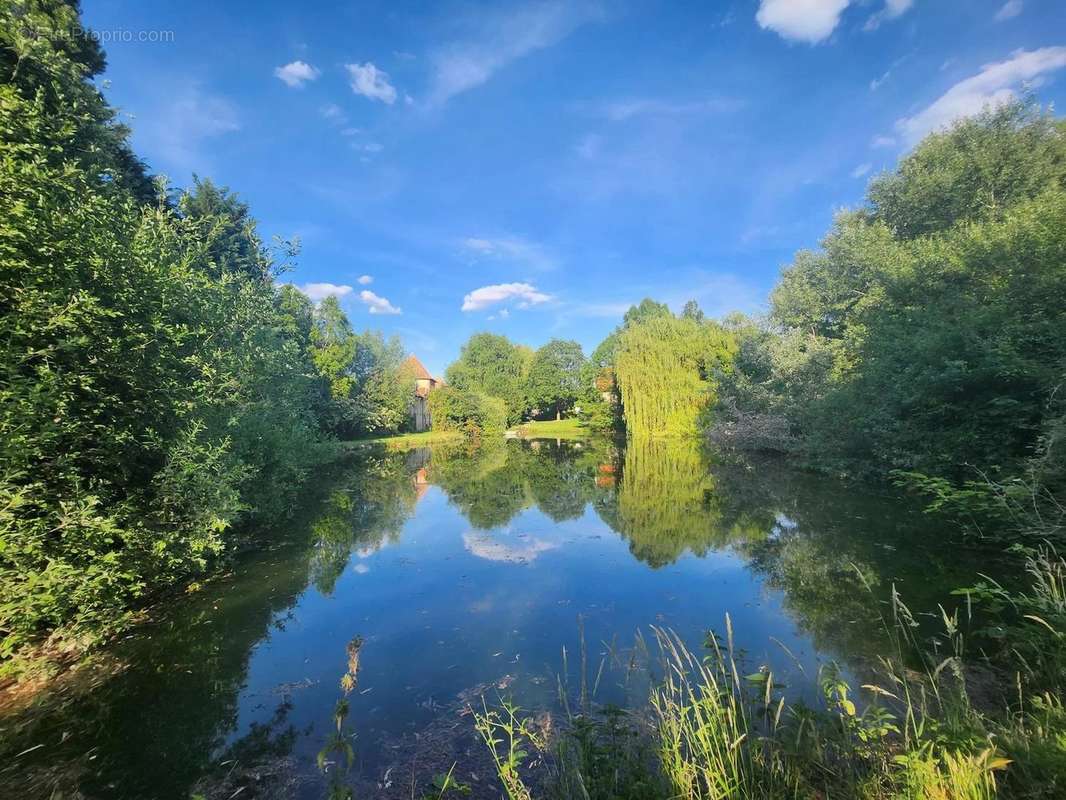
424,382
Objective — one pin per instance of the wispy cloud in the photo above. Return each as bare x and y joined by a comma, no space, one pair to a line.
177,132
626,109
498,39
524,294
861,170
810,21
369,81
320,291
365,280
1009,10
876,83
296,73
882,141
994,85
892,9
511,249
376,304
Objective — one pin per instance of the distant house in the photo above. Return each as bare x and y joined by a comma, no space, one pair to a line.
424,382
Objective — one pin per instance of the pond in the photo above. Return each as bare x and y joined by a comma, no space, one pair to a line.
437,576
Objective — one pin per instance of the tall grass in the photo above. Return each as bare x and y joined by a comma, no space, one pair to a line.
711,730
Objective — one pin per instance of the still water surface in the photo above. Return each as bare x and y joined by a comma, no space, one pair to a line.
466,572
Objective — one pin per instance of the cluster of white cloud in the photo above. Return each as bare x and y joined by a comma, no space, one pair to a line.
526,294
813,21
296,73
320,291
376,304
995,84
371,82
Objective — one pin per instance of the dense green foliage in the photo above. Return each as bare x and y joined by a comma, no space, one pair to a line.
467,411
666,368
158,389
492,365
926,335
553,384
369,384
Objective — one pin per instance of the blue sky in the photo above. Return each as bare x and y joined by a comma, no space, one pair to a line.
533,168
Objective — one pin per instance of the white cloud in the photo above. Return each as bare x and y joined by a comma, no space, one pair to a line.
1010,10
882,141
994,85
365,280
876,83
296,74
513,249
376,304
861,170
500,39
801,20
320,291
892,10
369,81
526,294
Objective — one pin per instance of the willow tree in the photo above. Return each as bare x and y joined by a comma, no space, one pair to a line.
665,367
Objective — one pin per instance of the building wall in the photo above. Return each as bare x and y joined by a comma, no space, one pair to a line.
420,414
420,406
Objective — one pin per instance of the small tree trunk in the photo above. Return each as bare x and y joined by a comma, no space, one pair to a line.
558,413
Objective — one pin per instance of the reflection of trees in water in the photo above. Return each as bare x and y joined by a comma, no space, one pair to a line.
365,512
667,500
178,700
836,551
492,484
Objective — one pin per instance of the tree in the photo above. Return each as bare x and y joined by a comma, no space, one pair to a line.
493,365
666,368
925,334
554,381
235,246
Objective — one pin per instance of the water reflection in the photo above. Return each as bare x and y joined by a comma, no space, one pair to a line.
401,548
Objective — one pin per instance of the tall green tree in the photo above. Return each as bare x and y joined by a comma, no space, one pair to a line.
493,365
666,368
554,381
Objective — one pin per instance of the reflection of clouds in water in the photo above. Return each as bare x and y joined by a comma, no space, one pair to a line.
489,547
362,569
782,525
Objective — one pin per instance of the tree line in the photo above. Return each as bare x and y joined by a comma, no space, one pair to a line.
159,387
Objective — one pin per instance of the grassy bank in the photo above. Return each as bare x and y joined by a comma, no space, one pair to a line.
571,428
407,441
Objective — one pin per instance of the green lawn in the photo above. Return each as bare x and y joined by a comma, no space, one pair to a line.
406,441
571,428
